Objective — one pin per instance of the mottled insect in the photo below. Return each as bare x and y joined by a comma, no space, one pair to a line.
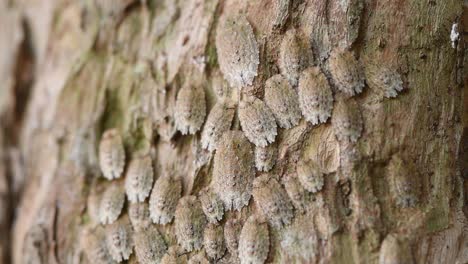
393,251
347,120
310,176
272,200
254,242
213,240
163,201
237,49
139,215
212,206
119,239
218,122
198,259
403,182
139,178
112,202
283,101
291,58
300,240
265,157
189,223
232,230
190,109
111,154
150,246
346,71
282,12
257,121
315,96
233,170
297,193
384,80
94,244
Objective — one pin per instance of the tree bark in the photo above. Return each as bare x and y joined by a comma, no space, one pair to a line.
72,70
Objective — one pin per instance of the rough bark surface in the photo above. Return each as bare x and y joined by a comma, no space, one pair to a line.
393,169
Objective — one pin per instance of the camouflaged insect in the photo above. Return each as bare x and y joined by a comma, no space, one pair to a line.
232,230
233,171
163,200
257,122
218,122
310,176
291,58
300,240
297,193
393,251
254,242
237,50
347,120
119,239
111,154
189,223
198,259
273,201
190,109
346,71
94,244
112,203
139,215
212,206
283,101
315,96
384,80
150,246
213,241
265,158
403,182
139,178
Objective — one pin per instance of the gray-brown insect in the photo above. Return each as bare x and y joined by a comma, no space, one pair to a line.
232,230
111,154
315,96
283,101
393,251
150,246
199,259
310,176
212,206
384,80
189,223
112,202
218,122
213,240
265,157
300,240
272,200
190,109
291,58
233,170
403,182
139,215
254,242
163,201
282,12
257,121
237,49
347,120
119,239
94,244
297,193
139,179
346,71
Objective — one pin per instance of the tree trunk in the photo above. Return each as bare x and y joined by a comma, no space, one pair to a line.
380,178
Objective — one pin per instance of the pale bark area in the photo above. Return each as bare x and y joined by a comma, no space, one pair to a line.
87,74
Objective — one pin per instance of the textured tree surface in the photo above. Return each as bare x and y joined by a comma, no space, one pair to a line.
375,175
